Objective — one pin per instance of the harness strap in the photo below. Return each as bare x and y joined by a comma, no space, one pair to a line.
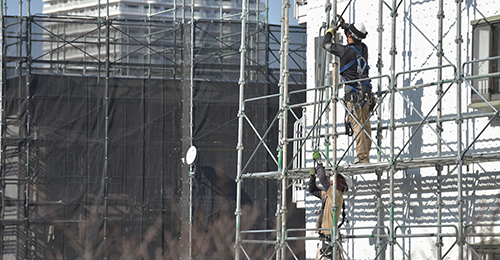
348,65
362,65
343,216
320,217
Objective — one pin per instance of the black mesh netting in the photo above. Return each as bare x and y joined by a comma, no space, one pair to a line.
92,165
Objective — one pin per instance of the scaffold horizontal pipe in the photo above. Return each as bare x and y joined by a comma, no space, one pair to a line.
261,174
12,222
479,225
269,242
480,60
301,238
484,157
363,79
159,32
258,231
429,68
305,138
426,235
229,35
162,12
489,75
261,98
307,104
434,83
426,226
308,89
13,23
403,164
95,63
307,230
366,228
430,121
230,16
483,235
365,236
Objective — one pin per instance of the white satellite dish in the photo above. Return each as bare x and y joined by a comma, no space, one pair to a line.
191,155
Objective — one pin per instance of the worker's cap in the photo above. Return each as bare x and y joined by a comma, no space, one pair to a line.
343,180
358,30
348,180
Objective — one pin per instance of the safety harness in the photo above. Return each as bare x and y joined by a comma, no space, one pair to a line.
355,95
341,186
365,85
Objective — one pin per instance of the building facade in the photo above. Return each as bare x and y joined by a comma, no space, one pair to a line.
430,191
166,9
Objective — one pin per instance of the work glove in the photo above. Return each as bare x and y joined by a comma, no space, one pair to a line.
316,155
342,23
332,30
312,173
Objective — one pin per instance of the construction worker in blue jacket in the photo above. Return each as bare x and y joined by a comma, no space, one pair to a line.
358,95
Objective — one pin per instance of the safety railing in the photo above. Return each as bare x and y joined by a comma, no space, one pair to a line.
438,235
470,234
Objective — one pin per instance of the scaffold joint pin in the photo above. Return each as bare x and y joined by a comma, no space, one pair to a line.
328,7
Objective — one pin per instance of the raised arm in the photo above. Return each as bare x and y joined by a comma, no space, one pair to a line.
322,176
313,189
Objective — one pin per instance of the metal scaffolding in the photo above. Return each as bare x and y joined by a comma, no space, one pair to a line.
97,113
291,166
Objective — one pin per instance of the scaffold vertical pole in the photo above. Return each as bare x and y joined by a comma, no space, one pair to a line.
285,5
106,132
241,113
380,209
335,81
459,120
328,81
439,128
2,86
380,65
394,14
28,132
191,126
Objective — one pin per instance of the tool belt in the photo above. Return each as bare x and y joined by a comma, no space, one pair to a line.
354,96
324,237
326,248
361,97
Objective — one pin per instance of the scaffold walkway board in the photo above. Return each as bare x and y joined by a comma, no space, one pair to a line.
400,165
